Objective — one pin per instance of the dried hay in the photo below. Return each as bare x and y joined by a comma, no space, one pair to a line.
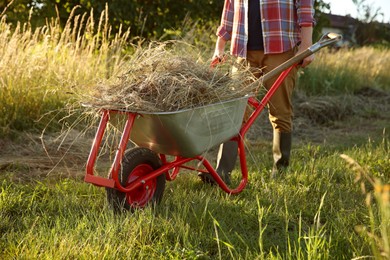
368,91
161,78
324,110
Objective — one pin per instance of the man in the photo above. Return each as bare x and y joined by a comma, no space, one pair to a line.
263,35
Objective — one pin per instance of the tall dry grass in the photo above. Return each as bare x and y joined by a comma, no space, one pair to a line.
377,194
41,68
347,70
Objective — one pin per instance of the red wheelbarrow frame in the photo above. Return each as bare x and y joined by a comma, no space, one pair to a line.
171,169
179,161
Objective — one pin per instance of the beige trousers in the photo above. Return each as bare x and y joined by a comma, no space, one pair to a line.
280,104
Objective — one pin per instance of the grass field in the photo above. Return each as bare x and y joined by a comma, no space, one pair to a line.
318,210
324,207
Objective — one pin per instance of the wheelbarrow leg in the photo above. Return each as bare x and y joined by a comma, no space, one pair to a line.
89,176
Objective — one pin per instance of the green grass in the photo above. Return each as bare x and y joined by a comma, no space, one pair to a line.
310,213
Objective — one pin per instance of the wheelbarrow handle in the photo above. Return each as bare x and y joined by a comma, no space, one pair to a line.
325,40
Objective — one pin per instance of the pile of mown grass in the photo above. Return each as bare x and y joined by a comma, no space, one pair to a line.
323,110
162,78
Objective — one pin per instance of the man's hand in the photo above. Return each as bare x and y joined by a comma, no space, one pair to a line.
218,55
306,61
306,37
216,60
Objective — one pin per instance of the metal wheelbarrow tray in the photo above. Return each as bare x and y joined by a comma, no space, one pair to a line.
189,132
137,176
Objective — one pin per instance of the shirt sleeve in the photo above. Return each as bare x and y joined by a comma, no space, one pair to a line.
226,27
305,12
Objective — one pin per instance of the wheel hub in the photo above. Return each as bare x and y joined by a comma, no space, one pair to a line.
141,195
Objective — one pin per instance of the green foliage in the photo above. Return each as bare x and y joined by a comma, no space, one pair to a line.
373,33
17,11
320,7
370,29
148,19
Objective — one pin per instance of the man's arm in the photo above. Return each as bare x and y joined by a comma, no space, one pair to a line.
306,42
225,29
305,11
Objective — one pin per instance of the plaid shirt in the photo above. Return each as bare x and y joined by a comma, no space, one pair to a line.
280,19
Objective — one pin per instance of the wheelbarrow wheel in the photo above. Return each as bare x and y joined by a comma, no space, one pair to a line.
136,163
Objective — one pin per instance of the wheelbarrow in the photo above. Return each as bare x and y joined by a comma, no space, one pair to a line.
166,142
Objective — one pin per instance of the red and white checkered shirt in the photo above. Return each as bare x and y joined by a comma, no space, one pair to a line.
281,21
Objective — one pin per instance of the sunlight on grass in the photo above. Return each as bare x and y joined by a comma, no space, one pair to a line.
40,68
345,70
377,231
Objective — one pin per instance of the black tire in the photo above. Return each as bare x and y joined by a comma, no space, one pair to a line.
137,162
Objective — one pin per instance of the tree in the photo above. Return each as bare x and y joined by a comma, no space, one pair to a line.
145,18
321,20
367,13
17,10
370,30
